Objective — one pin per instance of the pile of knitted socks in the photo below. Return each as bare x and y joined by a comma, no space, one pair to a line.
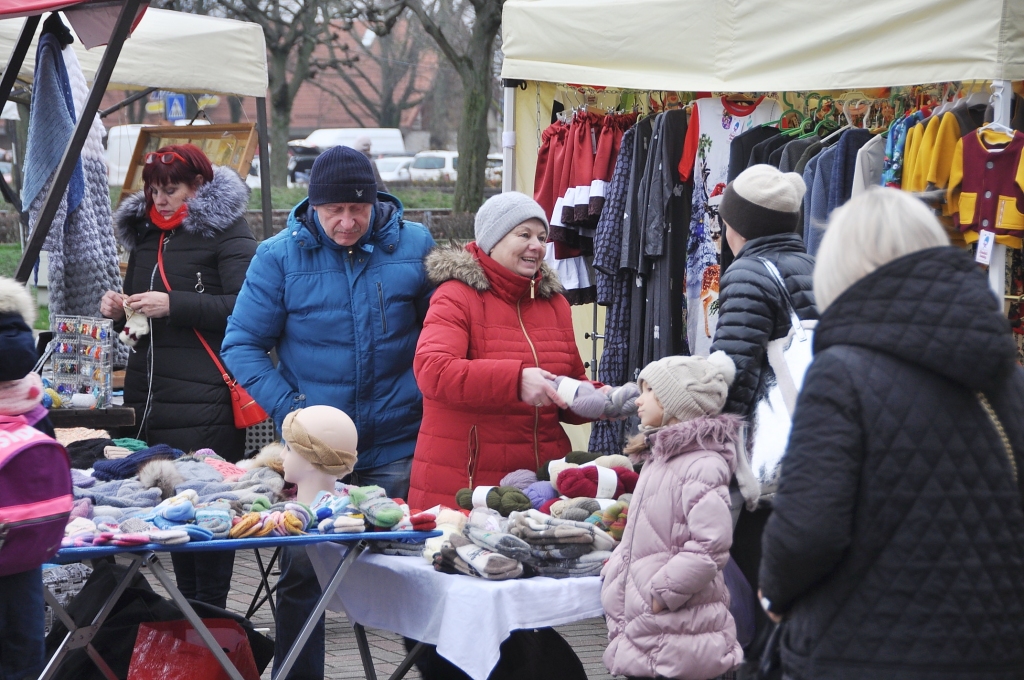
561,548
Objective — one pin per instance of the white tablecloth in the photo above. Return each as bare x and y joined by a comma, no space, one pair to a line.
467,618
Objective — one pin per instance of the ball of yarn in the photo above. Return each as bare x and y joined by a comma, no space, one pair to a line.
539,492
55,398
504,499
614,461
546,505
628,479
613,519
581,482
556,467
520,479
581,457
575,509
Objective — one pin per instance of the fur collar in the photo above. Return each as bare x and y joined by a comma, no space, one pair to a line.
719,433
15,299
446,263
215,207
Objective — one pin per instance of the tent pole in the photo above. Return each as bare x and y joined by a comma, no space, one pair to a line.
125,102
508,136
17,58
66,167
261,127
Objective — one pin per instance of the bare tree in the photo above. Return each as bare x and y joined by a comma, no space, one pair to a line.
292,29
473,60
380,71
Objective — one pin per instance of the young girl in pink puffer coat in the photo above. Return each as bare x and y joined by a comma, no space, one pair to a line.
664,594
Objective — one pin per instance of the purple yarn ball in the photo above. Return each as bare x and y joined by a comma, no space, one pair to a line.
539,493
520,479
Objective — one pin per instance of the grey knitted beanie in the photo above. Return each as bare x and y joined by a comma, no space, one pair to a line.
502,213
690,387
763,201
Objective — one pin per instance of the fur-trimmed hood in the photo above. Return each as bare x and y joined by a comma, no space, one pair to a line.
447,263
15,299
216,206
719,433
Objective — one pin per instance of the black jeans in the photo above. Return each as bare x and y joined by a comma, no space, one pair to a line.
22,651
205,576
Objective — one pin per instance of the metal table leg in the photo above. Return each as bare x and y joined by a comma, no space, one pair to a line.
364,651
257,601
167,582
332,586
82,637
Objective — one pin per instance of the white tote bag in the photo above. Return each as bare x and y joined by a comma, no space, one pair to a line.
789,358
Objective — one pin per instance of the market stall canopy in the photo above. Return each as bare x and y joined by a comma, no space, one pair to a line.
762,45
173,51
24,8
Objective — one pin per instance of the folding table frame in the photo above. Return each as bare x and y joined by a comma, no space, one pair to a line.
147,556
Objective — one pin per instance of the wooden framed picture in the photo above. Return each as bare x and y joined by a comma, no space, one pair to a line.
229,144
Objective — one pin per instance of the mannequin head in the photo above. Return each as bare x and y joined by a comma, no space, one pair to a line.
320,447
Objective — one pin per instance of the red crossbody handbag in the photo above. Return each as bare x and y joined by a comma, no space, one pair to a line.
246,411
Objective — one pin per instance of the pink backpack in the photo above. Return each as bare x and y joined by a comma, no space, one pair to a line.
35,495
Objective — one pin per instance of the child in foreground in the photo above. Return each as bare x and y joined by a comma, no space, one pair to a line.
664,594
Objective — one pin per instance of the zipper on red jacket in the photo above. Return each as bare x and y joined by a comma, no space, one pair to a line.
536,360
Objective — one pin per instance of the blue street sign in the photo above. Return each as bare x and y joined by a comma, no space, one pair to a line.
174,107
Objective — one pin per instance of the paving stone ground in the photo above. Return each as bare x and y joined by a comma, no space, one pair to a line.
588,638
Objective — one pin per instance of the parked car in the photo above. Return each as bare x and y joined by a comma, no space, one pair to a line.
300,161
495,167
394,168
435,166
382,140
121,141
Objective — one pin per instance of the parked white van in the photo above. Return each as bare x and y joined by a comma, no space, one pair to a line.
383,141
121,141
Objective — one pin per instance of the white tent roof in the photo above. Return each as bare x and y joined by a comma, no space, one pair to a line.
762,45
173,51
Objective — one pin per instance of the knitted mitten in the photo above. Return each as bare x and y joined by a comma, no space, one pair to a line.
346,521
179,508
378,508
136,525
169,536
423,521
404,524
215,518
126,539
196,533
245,526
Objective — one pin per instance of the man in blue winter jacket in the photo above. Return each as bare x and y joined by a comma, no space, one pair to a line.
341,295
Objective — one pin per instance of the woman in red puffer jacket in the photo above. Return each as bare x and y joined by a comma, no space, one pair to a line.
497,331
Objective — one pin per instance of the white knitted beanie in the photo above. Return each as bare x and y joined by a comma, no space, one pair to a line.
502,213
763,201
690,387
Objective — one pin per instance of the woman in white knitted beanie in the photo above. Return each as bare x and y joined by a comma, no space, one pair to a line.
664,593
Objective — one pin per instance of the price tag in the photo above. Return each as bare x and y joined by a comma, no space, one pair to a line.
986,241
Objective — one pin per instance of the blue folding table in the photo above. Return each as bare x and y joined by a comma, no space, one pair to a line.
147,555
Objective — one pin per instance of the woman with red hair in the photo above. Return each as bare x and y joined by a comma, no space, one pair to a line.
190,216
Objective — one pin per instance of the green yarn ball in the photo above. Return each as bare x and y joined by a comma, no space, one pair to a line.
504,499
581,457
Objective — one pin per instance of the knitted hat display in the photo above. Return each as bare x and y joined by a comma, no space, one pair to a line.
126,467
320,455
763,201
690,387
342,175
594,481
85,452
504,499
502,213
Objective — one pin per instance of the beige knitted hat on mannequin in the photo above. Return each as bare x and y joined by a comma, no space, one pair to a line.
320,455
690,387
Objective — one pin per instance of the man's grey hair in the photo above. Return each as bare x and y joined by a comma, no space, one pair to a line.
871,230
